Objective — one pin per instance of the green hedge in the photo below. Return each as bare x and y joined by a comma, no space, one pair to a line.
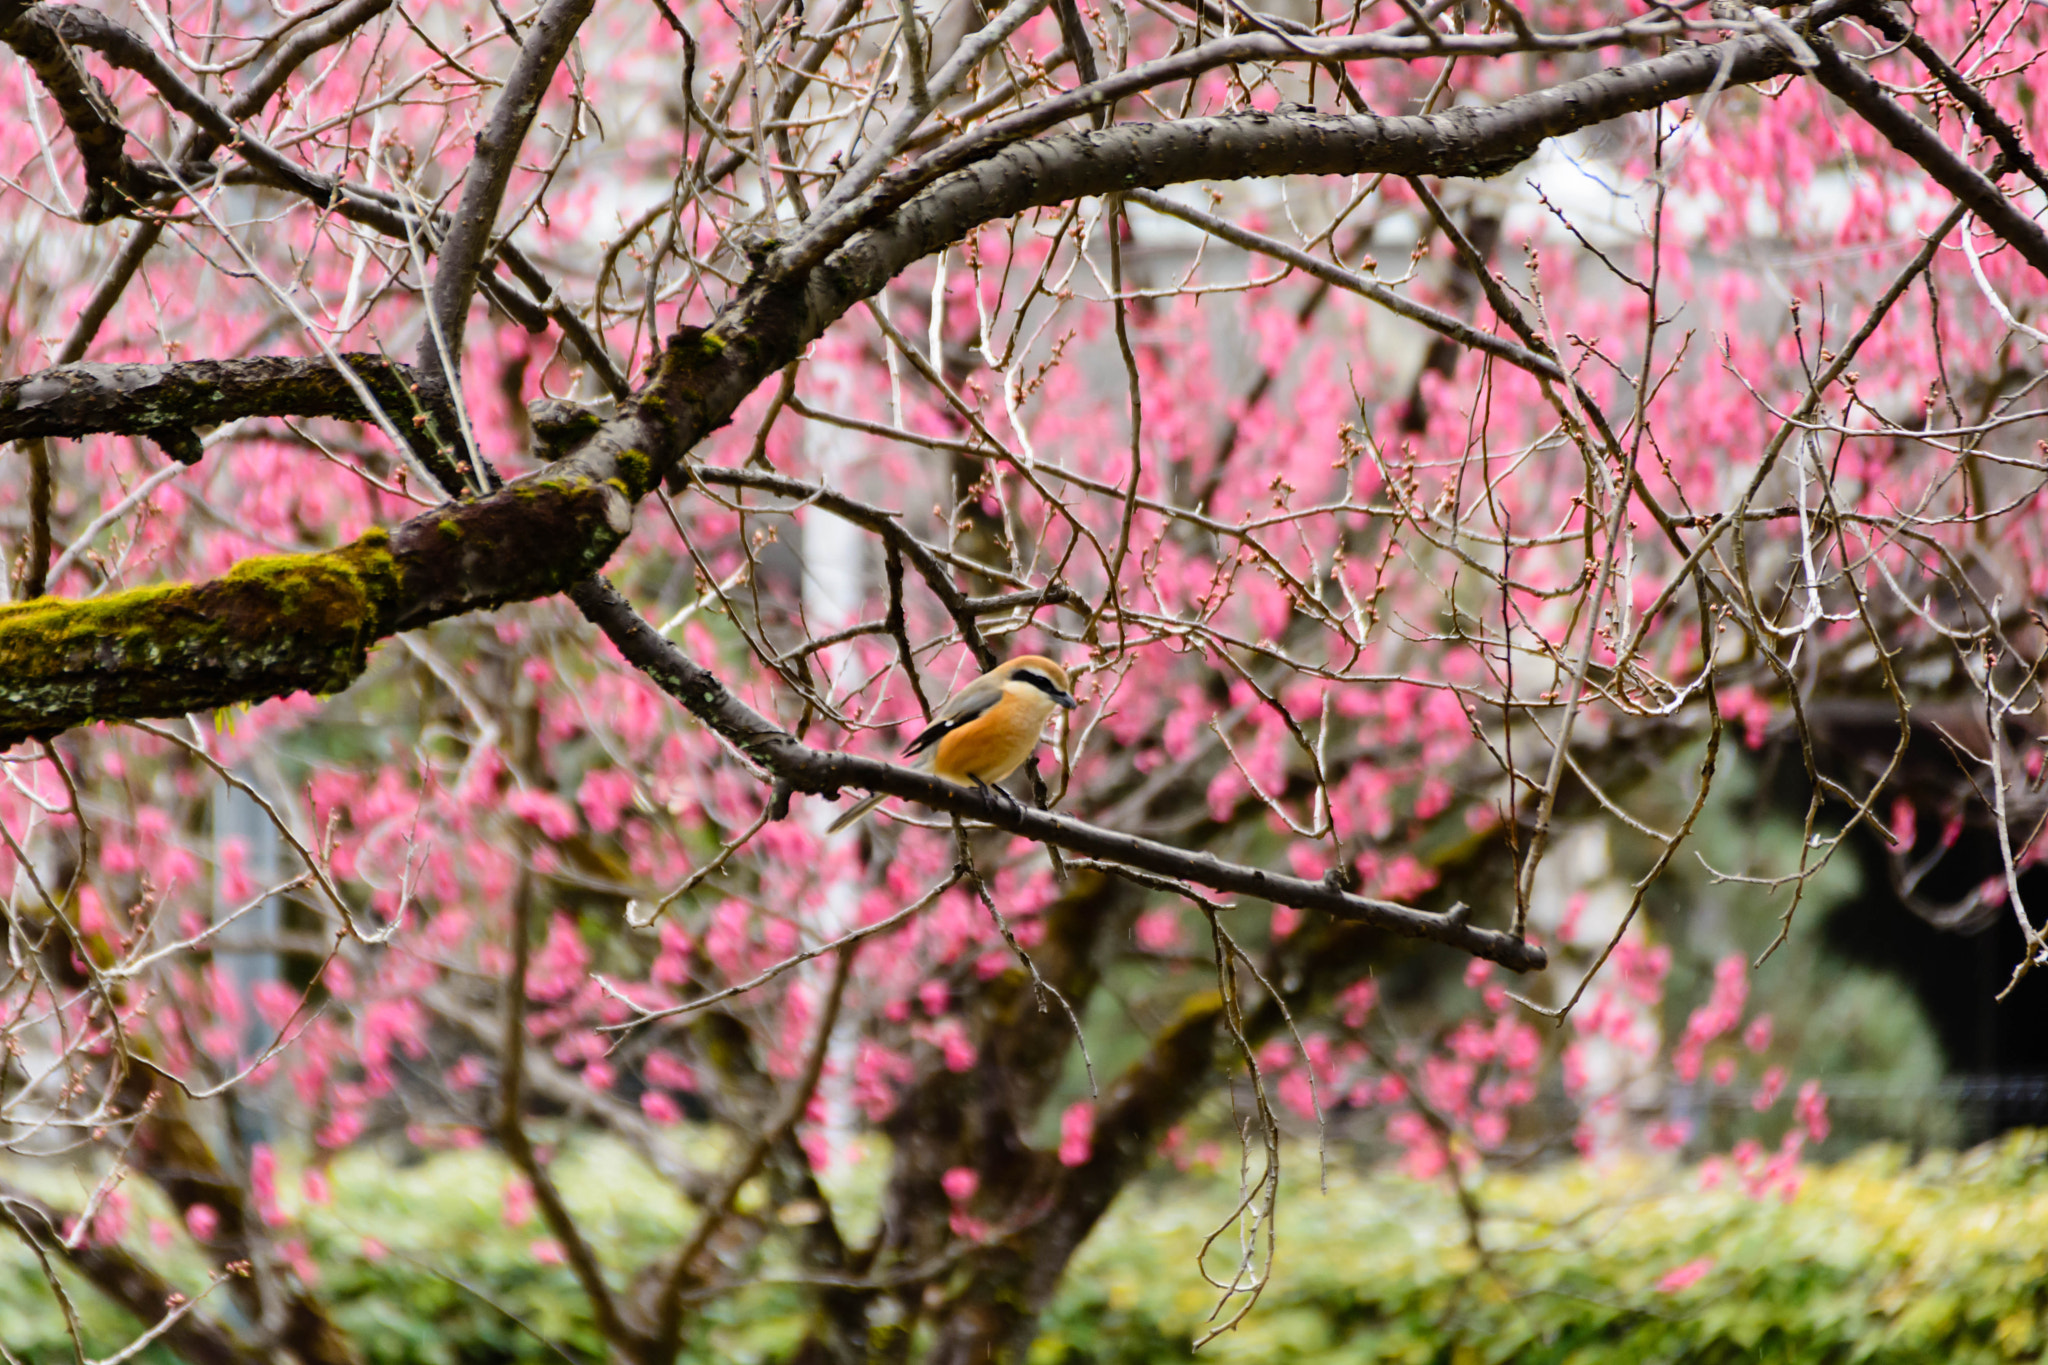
1946,1260
1874,1260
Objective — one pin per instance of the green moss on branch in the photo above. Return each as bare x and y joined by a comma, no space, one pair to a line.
268,627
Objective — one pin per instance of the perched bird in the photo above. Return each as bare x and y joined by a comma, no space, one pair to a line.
987,729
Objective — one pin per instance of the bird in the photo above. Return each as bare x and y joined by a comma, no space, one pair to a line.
986,730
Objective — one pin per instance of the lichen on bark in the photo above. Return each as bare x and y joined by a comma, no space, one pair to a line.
268,627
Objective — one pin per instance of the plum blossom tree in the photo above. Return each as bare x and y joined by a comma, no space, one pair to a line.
536,458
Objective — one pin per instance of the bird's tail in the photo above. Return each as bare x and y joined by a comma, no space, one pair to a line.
861,807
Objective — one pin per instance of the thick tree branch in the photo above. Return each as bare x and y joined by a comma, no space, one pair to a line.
139,400
548,531
1983,113
45,33
1468,140
324,32
115,183
1464,141
289,623
483,189
1858,89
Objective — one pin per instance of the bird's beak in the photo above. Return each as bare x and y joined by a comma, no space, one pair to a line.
1065,699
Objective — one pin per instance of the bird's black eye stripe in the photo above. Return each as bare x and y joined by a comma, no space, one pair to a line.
1037,680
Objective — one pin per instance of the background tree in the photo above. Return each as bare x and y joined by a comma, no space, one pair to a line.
860,346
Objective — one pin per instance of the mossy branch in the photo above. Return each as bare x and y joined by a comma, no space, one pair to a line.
281,624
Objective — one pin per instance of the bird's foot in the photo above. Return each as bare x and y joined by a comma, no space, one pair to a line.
1001,794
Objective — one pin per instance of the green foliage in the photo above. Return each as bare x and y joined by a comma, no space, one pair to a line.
1874,1261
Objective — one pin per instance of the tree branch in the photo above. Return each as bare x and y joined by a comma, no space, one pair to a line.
138,400
131,1283
1859,90
1989,121
519,1148
43,34
483,189
1467,140
115,183
555,527
818,771
774,1129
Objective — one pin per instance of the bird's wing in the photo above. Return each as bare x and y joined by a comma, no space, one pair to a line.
970,701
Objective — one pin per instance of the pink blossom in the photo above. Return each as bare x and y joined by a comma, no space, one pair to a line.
1685,1276
559,967
664,1068
263,1185
1811,1109
1757,1036
877,1071
294,1254
1669,1134
604,794
1159,930
960,1183
1424,1157
345,1127
1517,1044
1568,924
202,1221
1298,1093
110,1220
1447,1085
1575,1078
275,1002
547,812
1642,969
672,963
1772,1086
1077,1133
518,1206
1905,820
1405,878
1472,1041
546,1251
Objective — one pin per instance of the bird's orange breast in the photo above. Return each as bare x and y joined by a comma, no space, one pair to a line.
995,744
